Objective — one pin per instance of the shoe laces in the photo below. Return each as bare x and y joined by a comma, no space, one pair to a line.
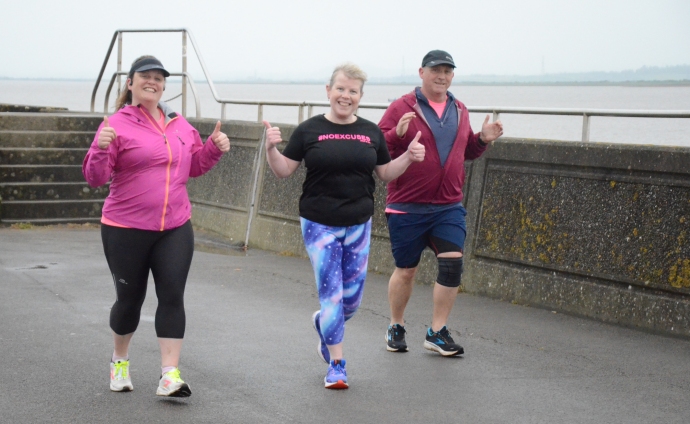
121,369
174,375
398,332
444,334
336,368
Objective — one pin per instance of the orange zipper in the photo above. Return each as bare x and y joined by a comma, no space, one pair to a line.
167,169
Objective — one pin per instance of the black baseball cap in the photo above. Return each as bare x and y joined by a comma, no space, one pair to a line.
437,57
148,64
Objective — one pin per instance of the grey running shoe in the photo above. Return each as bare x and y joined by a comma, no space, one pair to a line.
120,380
172,385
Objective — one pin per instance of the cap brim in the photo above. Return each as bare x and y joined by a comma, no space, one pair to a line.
438,62
151,67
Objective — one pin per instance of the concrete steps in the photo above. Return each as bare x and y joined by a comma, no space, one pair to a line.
41,156
51,191
31,138
40,173
41,181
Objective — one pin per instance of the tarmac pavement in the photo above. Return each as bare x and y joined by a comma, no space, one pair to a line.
250,350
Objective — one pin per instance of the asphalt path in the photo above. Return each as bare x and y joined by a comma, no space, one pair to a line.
250,350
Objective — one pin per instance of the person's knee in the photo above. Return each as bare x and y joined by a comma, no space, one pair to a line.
450,271
124,320
406,274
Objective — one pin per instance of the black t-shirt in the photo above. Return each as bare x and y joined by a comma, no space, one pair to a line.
340,159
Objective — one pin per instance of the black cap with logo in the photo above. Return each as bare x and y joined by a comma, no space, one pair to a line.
437,57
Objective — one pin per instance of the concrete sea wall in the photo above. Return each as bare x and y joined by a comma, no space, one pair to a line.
597,230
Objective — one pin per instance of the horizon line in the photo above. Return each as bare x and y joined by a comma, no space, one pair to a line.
491,78
457,81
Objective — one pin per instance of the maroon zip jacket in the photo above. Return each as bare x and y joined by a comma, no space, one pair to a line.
428,181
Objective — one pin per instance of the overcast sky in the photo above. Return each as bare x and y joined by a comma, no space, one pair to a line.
307,38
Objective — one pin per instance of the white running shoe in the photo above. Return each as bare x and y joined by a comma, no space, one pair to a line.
119,377
172,385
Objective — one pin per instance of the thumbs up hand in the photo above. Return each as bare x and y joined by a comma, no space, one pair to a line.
221,140
416,150
273,137
107,134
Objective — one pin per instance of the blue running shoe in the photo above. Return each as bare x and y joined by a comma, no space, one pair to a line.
442,342
336,378
321,349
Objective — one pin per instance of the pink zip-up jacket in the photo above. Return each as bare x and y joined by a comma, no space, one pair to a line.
149,167
428,181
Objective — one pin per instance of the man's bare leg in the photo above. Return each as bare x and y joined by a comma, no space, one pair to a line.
399,293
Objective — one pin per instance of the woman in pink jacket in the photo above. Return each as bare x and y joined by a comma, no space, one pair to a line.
148,152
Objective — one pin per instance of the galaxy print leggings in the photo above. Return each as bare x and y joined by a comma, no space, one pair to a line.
339,256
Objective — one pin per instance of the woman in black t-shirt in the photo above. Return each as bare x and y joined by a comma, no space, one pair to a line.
341,152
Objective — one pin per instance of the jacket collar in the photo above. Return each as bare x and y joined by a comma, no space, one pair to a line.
169,113
419,96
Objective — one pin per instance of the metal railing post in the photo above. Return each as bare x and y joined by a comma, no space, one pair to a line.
300,115
585,128
184,71
222,111
119,67
496,116
257,168
261,112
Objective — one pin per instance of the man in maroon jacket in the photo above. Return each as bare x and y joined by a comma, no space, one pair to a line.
424,205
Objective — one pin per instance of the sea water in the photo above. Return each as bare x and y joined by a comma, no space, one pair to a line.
76,96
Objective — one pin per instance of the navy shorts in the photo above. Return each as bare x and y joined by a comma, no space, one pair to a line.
411,233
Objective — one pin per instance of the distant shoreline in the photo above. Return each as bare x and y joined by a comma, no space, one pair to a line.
646,76
457,82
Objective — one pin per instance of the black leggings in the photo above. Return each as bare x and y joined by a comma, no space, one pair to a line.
131,253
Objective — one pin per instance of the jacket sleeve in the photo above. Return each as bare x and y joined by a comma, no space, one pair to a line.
204,156
474,148
389,122
98,164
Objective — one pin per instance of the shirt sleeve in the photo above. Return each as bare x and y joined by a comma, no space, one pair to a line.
382,154
295,147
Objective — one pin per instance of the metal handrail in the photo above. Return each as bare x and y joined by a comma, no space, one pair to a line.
585,113
175,74
185,76
495,111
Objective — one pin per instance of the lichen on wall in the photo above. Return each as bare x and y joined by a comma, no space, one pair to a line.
625,230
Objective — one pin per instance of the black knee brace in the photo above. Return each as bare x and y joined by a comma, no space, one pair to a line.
449,272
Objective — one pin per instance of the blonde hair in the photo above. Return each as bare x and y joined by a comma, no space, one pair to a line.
125,97
351,71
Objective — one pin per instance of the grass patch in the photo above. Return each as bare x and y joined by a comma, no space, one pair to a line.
22,226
